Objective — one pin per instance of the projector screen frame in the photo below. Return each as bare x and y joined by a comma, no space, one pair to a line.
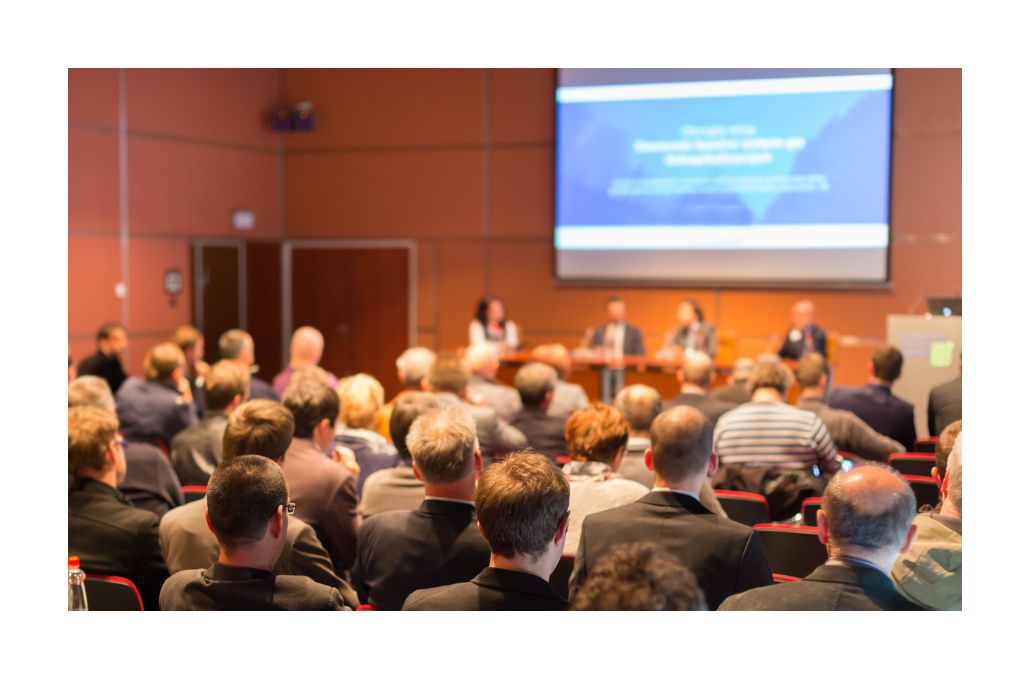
698,283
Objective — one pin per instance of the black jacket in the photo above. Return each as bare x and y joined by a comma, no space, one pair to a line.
105,366
236,588
546,433
794,349
944,405
403,551
150,481
494,589
874,404
725,556
709,407
632,341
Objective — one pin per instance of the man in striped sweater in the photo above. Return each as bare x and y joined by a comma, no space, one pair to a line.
767,432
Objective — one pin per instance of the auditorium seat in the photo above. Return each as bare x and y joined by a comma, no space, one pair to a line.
792,550
366,607
192,493
926,490
112,593
559,578
784,578
925,445
746,508
912,464
809,510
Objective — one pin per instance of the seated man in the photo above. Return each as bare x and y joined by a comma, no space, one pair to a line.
238,346
197,450
696,377
545,433
261,428
522,508
865,521
943,447
160,407
725,556
106,364
438,543
945,402
804,337
248,509
150,482
483,361
411,367
307,348
874,403
192,344
930,572
849,433
640,577
737,390
362,397
568,397
105,531
398,487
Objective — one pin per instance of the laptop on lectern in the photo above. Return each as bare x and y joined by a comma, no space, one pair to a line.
944,306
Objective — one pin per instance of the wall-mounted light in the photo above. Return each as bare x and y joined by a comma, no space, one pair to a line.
242,220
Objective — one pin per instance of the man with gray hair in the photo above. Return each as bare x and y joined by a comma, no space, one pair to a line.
438,543
696,377
411,368
737,390
483,360
546,433
865,521
930,573
238,346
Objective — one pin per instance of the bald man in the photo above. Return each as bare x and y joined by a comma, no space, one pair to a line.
307,348
567,397
696,377
804,337
866,522
483,361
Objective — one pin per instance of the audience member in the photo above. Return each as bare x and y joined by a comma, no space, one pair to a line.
640,577
944,402
261,428
111,341
248,510
942,453
197,450
691,333
161,406
412,367
438,543
930,572
865,521
696,377
849,433
238,346
874,403
448,380
150,482
362,397
311,373
398,487
596,439
737,390
105,531
804,337
483,360
725,556
567,397
545,433
307,348
522,509
192,344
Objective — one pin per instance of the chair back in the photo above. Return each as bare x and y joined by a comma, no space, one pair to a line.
925,445
792,550
192,493
559,578
810,506
112,593
926,490
746,508
913,464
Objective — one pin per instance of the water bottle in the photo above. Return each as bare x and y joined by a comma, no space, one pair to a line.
76,588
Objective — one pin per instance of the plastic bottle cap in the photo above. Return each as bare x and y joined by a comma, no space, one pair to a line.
73,562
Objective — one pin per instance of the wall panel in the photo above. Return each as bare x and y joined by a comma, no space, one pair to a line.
93,96
93,271
150,308
93,181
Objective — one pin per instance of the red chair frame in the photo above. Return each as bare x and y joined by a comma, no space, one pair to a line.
809,501
745,496
785,578
930,439
122,581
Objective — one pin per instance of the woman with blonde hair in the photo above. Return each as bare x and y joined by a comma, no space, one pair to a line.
362,396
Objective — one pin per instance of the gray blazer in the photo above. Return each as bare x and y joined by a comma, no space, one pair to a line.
567,399
197,450
705,341
850,433
495,437
389,489
500,397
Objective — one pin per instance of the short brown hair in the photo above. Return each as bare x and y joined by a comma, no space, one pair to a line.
944,445
90,432
770,375
811,368
681,443
225,380
243,495
639,405
310,403
406,410
595,433
640,577
362,397
162,360
443,443
520,502
258,427
185,337
448,373
888,364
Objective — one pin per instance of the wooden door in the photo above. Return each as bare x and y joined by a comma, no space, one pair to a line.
220,298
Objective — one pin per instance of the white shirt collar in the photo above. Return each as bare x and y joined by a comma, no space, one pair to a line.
449,499
692,389
681,492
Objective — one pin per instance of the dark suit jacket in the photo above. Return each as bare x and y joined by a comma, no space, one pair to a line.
632,342
734,393
726,557
709,407
401,552
152,410
496,438
546,433
944,405
150,481
236,588
111,537
197,450
874,404
794,349
494,589
261,389
103,365
828,588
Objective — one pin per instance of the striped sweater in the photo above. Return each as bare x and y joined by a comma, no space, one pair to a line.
774,435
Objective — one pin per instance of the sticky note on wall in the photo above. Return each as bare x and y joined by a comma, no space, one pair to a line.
941,354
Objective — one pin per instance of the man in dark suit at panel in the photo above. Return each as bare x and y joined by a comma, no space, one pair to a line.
726,557
695,378
617,335
546,433
111,341
522,508
874,403
438,543
238,346
944,403
804,337
865,521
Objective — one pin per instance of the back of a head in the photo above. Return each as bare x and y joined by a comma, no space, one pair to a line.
681,443
310,373
232,343
534,381
697,369
442,442
224,381
870,507
742,369
480,356
408,408
954,467
414,364
185,337
945,444
639,405
361,396
310,402
105,331
162,360
554,355
767,375
888,364
448,373
520,502
307,344
90,390
810,370
596,433
640,576
258,427
90,432
243,495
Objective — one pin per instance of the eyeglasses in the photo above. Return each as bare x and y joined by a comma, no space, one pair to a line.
567,513
122,442
290,507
